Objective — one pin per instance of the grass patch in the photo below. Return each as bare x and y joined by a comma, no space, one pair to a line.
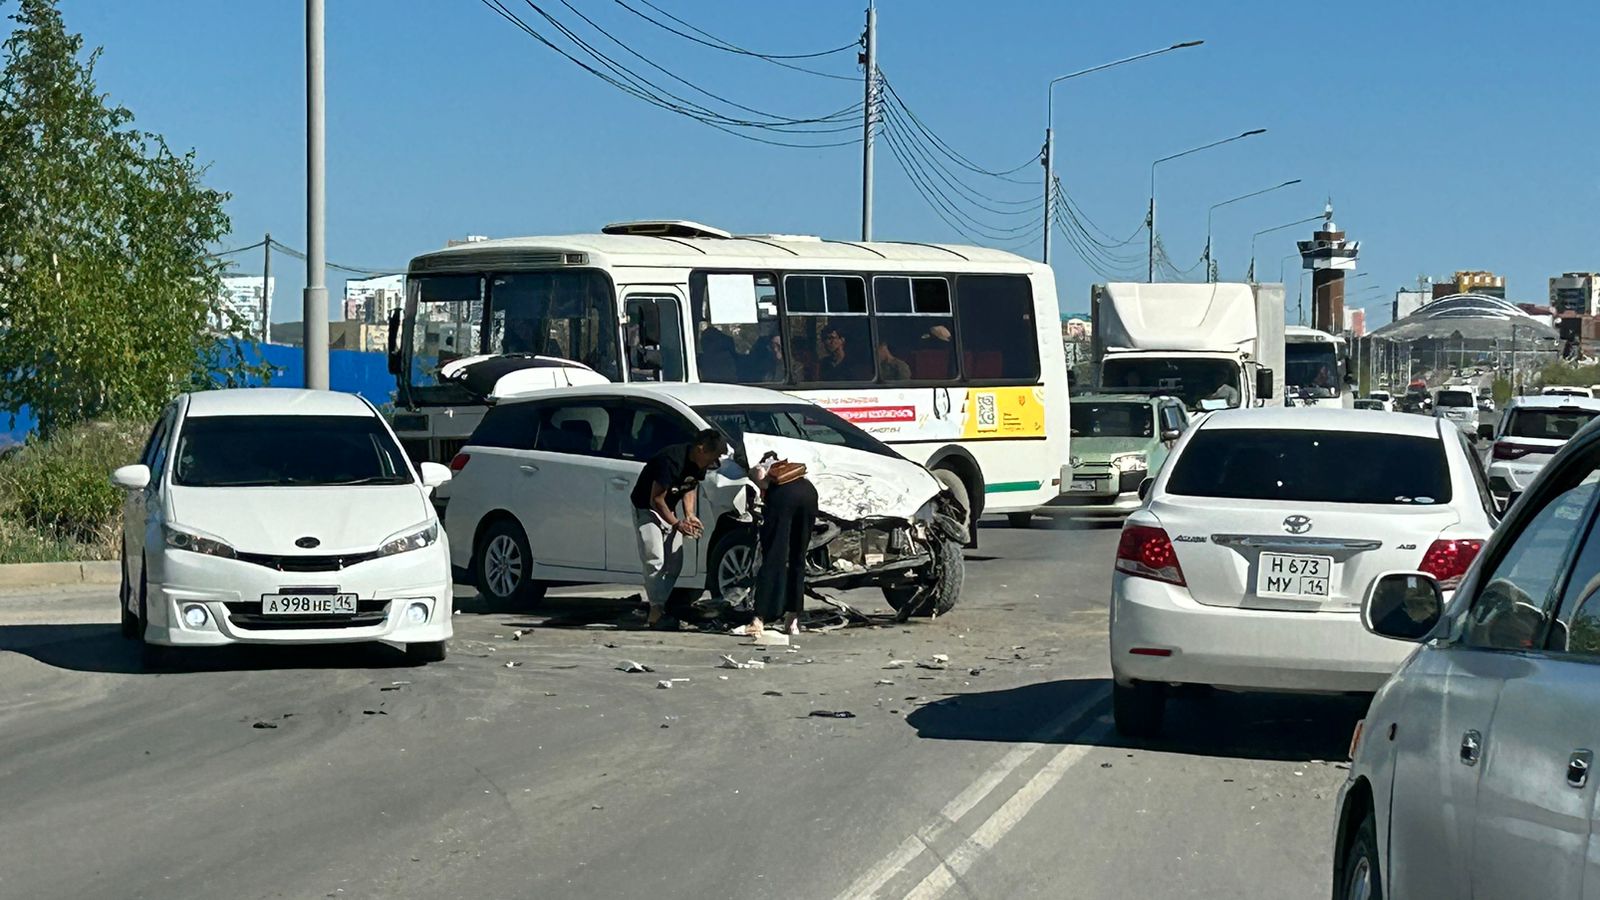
56,498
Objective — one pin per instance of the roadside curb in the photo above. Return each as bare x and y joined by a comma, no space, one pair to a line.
27,575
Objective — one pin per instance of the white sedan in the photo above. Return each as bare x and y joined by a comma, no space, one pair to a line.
271,516
1246,567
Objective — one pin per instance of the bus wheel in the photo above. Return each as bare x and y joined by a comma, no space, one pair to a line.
1020,519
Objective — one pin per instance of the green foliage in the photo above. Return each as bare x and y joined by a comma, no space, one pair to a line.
109,297
1566,373
1502,392
59,488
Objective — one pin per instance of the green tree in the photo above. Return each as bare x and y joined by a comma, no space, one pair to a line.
109,296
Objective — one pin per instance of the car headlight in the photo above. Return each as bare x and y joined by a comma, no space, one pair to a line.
1132,462
180,539
410,539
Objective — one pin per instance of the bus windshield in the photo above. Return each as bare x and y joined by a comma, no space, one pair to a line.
565,313
1312,369
1191,380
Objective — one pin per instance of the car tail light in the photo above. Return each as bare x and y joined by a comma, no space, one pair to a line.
1148,553
1513,450
1448,560
460,461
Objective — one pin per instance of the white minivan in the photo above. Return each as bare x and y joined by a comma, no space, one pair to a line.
1459,405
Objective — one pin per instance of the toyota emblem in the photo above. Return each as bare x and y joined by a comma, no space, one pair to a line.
1297,524
308,543
1075,461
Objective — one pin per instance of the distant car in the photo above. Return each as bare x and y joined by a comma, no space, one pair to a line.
1369,403
1246,567
542,492
1565,390
1118,441
1473,772
1383,397
268,516
1459,406
1530,432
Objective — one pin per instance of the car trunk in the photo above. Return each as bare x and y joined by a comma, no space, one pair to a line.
1242,554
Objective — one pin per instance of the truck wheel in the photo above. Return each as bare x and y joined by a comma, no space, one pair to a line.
731,567
1138,708
502,564
936,598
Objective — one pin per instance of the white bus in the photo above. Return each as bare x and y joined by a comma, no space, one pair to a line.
1315,364
950,354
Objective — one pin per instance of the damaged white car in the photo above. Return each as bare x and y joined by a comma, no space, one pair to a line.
541,496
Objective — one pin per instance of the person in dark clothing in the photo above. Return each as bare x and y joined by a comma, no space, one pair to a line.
670,480
837,364
789,516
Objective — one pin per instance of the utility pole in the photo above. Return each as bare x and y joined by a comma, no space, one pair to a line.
869,60
1150,226
1049,179
315,301
266,290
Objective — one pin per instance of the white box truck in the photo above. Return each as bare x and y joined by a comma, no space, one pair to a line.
1214,346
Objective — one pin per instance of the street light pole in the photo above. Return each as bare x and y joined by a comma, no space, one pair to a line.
1211,276
1150,216
314,308
1251,275
1049,128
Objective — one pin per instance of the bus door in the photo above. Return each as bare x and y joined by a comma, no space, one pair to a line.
653,335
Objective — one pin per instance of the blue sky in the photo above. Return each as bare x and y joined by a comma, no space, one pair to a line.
1450,136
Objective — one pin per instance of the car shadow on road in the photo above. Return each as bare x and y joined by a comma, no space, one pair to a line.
1285,727
102,648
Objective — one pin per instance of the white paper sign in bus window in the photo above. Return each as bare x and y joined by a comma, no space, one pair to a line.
732,299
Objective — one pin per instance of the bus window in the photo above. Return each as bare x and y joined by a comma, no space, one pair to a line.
740,352
566,313
830,335
915,329
999,337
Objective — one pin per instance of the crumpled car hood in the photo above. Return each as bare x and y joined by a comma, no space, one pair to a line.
853,484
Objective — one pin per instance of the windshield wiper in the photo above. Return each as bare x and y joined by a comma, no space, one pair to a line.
371,479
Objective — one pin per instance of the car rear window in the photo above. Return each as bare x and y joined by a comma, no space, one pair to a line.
1549,424
287,451
1312,467
1090,419
1455,398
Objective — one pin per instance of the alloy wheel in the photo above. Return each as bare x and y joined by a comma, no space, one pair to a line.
736,573
502,564
1359,885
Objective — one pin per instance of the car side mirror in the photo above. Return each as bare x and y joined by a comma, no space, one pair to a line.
434,474
1171,434
132,478
1486,432
1404,606
1263,384
1144,487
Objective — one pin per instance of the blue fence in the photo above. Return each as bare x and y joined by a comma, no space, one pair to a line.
351,371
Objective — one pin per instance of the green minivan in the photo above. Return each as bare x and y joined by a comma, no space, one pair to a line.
1118,440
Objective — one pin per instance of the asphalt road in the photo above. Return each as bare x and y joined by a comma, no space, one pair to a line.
343,773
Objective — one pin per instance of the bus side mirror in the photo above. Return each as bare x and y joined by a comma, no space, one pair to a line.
394,342
1263,384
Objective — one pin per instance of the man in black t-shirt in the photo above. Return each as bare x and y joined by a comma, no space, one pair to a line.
670,480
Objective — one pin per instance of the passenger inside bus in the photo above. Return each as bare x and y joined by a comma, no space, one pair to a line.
764,364
719,356
840,362
890,367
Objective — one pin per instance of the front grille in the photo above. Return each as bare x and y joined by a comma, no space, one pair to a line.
298,563
247,615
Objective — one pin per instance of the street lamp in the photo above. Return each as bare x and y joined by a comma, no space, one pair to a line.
1251,275
1150,217
1210,276
1049,131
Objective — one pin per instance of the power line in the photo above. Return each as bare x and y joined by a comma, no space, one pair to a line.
279,245
970,194
717,43
1110,241
947,150
946,209
239,249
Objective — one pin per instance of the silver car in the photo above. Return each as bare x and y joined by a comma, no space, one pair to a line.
1471,775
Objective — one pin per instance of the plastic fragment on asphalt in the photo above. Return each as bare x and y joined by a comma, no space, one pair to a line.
512,664
831,714
664,684
632,667
753,664
516,635
897,664
263,725
728,662
374,712
885,681
722,678
975,671
772,693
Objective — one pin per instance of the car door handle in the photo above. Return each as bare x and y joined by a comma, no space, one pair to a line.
1471,748
621,482
1578,767
528,470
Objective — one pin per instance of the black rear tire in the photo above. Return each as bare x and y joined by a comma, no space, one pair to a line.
502,565
1360,876
1139,708
952,568
424,652
1020,519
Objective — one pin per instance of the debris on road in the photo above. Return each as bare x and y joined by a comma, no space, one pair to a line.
374,712
975,671
885,681
897,664
937,662
632,667
664,684
831,714
264,725
772,693
512,664
517,635
728,662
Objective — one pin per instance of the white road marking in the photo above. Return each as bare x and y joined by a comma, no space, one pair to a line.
873,880
987,835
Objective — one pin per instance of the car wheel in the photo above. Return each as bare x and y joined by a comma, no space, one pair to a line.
1020,519
130,622
152,656
424,652
1361,878
731,567
502,564
932,598
1138,708
958,488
